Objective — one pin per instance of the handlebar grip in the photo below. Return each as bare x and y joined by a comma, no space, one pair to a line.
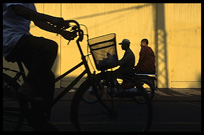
81,35
72,21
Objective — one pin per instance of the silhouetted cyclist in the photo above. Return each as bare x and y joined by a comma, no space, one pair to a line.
37,53
126,64
128,61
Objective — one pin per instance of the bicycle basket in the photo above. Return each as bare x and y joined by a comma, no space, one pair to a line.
104,52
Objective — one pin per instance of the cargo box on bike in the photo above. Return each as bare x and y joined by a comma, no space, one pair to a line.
104,52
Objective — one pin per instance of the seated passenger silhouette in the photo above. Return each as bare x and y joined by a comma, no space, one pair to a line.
146,63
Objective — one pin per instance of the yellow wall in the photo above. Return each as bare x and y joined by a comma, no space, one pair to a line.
173,30
125,20
183,26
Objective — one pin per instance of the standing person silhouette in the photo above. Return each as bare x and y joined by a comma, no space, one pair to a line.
36,53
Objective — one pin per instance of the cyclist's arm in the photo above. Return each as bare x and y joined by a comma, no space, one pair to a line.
43,21
126,58
36,16
48,27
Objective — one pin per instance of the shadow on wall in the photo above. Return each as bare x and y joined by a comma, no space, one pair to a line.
160,46
110,12
160,38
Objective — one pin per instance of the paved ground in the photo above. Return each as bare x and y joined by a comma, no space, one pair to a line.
175,110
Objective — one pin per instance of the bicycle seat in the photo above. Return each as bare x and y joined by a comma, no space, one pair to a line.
145,74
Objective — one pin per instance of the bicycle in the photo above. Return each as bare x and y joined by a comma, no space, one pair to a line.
106,101
148,81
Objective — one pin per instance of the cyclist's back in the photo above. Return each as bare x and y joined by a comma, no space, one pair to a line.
127,62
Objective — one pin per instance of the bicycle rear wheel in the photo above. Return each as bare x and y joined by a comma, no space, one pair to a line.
11,108
149,90
110,114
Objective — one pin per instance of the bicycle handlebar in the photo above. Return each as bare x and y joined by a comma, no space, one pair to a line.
72,21
75,29
80,38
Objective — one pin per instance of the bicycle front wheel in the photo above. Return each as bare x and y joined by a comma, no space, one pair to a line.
110,114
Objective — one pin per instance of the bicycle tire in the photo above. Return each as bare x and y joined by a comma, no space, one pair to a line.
89,96
150,91
11,110
125,116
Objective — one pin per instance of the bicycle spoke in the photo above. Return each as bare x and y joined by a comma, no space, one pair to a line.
111,114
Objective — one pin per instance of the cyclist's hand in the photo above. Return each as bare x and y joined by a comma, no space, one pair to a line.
68,35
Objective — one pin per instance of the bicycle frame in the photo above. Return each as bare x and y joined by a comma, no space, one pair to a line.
18,73
91,77
84,62
70,86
